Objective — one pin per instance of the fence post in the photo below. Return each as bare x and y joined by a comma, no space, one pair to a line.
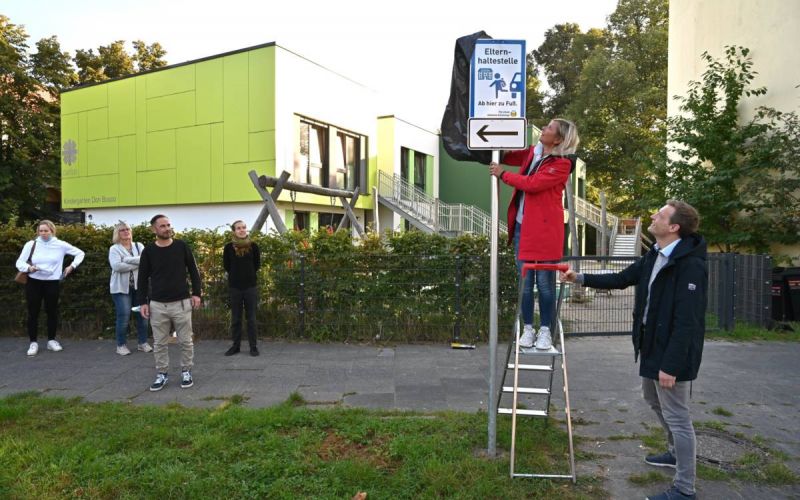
457,326
728,292
302,295
766,292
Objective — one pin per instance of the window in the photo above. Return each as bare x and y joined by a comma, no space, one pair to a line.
330,156
419,170
312,163
331,220
301,221
419,164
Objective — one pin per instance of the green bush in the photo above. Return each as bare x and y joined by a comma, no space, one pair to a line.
325,287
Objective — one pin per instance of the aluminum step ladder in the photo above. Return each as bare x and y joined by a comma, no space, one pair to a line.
545,362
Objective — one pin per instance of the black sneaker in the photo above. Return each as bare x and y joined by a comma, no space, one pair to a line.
254,351
186,379
665,459
672,494
161,381
233,350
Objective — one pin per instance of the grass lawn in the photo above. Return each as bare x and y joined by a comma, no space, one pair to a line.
745,332
57,448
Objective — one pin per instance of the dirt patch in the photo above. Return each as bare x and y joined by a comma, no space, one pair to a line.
335,447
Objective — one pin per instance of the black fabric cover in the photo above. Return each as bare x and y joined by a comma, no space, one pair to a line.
456,114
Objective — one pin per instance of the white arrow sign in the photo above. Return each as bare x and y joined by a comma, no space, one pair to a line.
497,133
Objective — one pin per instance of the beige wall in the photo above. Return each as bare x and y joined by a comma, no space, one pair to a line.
769,28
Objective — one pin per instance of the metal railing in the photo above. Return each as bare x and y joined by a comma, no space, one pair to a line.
436,215
593,215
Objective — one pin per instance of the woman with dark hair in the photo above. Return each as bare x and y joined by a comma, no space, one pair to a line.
123,256
536,218
241,259
43,260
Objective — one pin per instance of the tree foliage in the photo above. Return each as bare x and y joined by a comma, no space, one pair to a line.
113,60
29,120
744,179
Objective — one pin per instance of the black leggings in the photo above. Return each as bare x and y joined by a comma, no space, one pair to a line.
35,292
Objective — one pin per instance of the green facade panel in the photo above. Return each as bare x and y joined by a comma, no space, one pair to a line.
122,108
262,146
83,143
103,157
89,98
261,89
429,174
161,150
98,124
217,163
208,94
127,171
156,187
93,191
172,81
236,108
141,123
237,183
193,175
70,132
170,112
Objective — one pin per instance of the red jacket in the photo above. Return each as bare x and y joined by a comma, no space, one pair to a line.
542,232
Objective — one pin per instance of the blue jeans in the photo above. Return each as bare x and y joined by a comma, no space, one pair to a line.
122,304
545,282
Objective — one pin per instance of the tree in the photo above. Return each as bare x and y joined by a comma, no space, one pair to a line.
620,104
113,61
561,57
744,179
534,97
29,121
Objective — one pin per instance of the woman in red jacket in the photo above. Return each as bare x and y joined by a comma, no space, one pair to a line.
536,217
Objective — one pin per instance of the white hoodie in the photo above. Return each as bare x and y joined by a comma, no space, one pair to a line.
48,257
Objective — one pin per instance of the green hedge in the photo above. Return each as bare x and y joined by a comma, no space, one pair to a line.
400,287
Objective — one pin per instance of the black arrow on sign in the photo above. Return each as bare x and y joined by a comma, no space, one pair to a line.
482,133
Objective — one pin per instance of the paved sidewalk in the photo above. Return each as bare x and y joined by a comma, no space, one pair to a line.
756,382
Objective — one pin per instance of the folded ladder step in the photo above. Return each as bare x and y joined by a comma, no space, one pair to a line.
539,368
529,413
526,390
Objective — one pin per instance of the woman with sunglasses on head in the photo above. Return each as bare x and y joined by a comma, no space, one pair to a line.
123,256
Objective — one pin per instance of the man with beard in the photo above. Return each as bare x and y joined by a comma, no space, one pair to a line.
166,300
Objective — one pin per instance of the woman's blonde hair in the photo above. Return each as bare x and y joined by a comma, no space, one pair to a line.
569,137
115,235
47,223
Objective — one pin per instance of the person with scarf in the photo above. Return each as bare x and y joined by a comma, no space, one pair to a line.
43,260
242,259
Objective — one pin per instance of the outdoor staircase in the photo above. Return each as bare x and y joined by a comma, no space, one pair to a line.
429,214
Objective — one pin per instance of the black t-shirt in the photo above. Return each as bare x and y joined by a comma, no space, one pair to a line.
241,269
165,269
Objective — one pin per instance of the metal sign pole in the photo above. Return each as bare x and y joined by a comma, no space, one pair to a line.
492,448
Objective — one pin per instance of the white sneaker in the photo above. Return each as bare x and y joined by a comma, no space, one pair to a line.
527,336
543,341
33,349
145,347
123,350
53,345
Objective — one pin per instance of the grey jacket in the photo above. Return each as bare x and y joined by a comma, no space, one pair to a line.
122,265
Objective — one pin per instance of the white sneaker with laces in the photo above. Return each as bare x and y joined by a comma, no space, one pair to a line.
53,345
543,341
33,349
123,350
528,333
145,347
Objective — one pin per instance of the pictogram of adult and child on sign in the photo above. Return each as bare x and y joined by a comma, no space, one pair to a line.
499,83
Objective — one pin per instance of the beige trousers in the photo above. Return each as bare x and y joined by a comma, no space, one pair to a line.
163,316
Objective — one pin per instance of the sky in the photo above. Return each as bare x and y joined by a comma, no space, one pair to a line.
403,50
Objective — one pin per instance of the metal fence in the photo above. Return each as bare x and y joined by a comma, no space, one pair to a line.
391,297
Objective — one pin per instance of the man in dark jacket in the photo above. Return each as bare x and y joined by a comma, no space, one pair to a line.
668,329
